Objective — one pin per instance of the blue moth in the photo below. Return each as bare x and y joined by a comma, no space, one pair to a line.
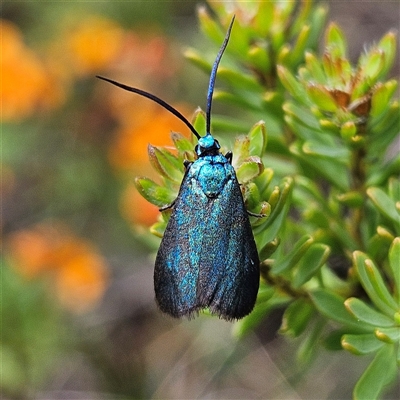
207,257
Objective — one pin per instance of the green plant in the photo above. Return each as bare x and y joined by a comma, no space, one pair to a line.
330,244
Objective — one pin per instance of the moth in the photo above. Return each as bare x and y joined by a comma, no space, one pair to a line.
207,257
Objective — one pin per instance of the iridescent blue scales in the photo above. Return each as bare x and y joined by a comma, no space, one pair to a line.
207,257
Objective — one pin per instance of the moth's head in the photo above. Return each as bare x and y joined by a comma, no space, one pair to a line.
207,145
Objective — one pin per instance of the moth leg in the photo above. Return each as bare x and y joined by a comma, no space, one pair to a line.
186,164
229,156
255,214
166,207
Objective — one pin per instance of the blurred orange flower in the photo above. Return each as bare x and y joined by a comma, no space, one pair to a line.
26,82
136,209
149,123
94,44
78,271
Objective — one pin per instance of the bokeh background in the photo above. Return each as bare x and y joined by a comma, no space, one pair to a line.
78,318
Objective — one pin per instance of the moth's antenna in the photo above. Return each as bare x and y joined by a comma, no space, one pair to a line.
213,76
155,99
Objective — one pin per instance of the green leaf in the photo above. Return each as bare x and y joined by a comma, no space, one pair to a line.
314,66
302,17
385,234
237,100
199,121
308,349
292,258
388,335
258,139
283,57
260,59
328,126
388,45
381,172
366,314
351,199
249,169
331,306
223,123
314,258
373,65
321,97
337,152
198,60
155,194
335,40
267,300
361,344
394,189
373,284
332,340
387,122
318,20
311,190
165,163
269,249
316,217
239,80
348,130
379,285
337,70
361,88
240,150
334,172
263,18
251,196
284,10
268,231
263,181
239,41
394,263
210,26
381,97
303,116
379,373
293,86
181,143
296,317
384,204
158,228
297,53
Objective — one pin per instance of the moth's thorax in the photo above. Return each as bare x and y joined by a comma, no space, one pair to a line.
211,172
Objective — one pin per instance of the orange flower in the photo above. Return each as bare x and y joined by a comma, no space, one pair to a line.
82,276
79,272
150,124
22,75
150,54
94,44
26,82
136,209
30,251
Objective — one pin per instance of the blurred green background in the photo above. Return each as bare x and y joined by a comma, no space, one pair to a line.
78,316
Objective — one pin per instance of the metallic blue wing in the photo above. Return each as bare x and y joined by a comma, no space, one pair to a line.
229,274
208,257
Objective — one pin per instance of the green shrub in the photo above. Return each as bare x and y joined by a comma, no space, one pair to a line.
330,245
